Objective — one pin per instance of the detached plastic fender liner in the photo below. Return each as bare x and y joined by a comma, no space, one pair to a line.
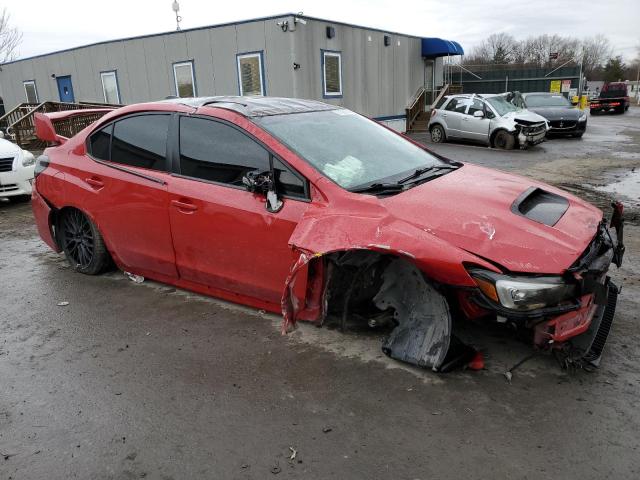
423,334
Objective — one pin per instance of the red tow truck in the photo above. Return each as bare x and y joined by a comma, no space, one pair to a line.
613,97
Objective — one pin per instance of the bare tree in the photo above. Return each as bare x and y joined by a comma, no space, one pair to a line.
596,50
10,38
497,48
501,48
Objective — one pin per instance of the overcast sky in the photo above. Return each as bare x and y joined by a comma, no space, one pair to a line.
50,25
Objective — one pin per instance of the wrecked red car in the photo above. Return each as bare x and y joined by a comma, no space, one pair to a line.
316,212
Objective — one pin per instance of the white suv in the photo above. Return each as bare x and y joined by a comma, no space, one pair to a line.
16,171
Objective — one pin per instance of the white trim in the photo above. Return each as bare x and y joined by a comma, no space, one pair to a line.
35,89
250,55
175,78
326,54
104,90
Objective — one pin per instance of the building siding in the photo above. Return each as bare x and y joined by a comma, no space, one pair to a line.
378,80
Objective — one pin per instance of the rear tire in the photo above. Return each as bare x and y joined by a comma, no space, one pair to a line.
82,243
504,140
437,134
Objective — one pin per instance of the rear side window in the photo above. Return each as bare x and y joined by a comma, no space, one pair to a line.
141,141
452,104
461,106
101,142
214,151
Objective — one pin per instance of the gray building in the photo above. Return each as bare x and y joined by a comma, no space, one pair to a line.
374,72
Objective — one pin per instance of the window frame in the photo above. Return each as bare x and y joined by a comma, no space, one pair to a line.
130,168
323,55
263,84
35,89
115,76
175,157
183,63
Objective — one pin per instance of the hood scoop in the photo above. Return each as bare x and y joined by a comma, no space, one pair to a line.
540,206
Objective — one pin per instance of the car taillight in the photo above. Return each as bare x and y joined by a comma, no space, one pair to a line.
41,164
433,112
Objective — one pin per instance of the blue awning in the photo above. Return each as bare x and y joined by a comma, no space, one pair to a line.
438,47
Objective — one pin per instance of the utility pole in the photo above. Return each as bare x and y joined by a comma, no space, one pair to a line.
176,8
580,87
638,83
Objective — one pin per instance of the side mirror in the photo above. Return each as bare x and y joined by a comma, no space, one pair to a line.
478,114
262,183
1,134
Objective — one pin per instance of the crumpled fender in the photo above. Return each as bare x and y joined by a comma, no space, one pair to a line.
368,225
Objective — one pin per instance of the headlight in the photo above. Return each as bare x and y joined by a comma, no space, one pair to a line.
583,117
28,159
523,293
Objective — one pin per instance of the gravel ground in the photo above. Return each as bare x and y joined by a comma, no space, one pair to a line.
146,381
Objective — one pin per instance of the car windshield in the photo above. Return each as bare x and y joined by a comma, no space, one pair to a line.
501,106
547,101
348,148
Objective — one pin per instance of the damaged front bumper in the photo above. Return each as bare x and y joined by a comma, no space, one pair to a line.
575,329
531,135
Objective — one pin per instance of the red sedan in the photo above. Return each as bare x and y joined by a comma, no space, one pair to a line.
314,211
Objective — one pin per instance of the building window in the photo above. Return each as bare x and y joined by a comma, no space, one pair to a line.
331,73
31,91
184,79
251,74
110,89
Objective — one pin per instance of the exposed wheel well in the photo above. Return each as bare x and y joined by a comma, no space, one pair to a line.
386,292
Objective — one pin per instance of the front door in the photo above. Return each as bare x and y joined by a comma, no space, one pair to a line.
223,235
476,128
65,89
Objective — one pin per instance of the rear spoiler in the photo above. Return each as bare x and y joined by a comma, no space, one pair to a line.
58,127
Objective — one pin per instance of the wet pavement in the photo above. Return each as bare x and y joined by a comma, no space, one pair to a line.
145,381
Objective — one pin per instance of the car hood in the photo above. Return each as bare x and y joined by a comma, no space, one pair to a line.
472,209
525,115
557,113
8,149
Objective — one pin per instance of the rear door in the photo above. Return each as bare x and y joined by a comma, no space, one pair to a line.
128,192
223,235
453,113
475,128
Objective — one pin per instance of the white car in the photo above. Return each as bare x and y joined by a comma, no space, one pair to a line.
16,171
488,119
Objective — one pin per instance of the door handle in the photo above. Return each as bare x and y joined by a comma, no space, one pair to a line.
184,205
95,183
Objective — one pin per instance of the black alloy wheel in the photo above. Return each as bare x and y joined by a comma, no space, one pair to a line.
82,243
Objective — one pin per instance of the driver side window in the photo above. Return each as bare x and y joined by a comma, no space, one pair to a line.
217,152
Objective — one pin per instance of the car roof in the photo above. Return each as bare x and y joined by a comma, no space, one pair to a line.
256,106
